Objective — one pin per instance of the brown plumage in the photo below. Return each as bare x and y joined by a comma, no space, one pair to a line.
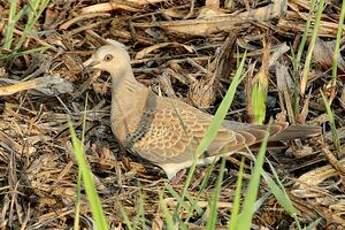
167,131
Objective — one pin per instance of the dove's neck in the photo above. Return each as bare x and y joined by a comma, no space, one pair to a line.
126,92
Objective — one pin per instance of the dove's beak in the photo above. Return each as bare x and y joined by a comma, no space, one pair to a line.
90,63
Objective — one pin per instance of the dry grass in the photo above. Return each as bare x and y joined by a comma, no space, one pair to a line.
177,50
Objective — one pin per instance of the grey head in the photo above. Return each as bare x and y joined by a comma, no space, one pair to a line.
112,58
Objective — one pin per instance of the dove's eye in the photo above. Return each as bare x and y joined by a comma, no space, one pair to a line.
108,57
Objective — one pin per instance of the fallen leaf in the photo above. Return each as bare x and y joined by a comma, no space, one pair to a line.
141,54
204,27
323,55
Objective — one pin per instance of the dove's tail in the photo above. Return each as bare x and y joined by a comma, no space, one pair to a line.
296,131
279,131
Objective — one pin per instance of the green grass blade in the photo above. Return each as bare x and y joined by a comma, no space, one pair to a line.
184,204
211,224
237,199
331,119
280,194
313,225
141,211
260,87
279,191
125,216
214,126
89,185
259,95
77,204
36,8
11,23
15,54
244,221
297,59
205,180
304,79
33,10
189,206
167,215
338,40
194,206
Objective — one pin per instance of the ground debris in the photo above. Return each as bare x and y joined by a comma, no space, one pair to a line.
183,49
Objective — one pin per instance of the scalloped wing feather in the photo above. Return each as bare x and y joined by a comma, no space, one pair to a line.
177,129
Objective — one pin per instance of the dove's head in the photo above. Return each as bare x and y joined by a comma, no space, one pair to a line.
112,58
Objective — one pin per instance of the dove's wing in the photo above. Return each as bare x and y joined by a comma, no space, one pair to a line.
176,130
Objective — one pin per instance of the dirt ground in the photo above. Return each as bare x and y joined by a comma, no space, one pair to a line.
180,49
